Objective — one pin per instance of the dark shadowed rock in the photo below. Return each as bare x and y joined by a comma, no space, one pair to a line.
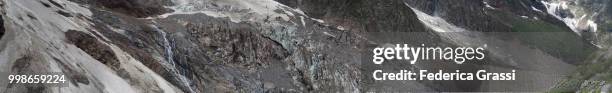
93,47
1,27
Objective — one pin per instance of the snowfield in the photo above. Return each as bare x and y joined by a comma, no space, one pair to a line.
37,34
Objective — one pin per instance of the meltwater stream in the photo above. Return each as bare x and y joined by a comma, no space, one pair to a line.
170,65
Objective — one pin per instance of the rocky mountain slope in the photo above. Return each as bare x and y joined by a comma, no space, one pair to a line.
203,46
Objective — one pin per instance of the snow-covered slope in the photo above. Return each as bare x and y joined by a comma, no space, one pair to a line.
35,36
574,14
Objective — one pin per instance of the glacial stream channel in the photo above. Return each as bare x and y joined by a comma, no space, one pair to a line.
170,64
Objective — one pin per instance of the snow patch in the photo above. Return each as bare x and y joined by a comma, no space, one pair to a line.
340,28
576,24
592,25
436,23
74,7
487,5
300,11
318,20
302,19
536,9
554,8
120,31
326,33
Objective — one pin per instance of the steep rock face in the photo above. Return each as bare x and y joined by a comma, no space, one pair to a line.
210,47
262,56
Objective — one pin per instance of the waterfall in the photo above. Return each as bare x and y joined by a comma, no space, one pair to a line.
170,64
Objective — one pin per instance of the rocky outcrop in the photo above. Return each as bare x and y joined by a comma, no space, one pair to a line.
92,47
138,8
